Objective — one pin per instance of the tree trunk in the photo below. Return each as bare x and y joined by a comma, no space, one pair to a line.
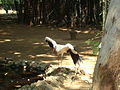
107,70
19,8
44,12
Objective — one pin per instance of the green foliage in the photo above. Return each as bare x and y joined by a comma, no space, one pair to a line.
0,2
94,46
7,4
7,1
93,43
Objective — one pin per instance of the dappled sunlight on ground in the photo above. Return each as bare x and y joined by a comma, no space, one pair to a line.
88,66
37,43
24,43
5,40
18,41
63,29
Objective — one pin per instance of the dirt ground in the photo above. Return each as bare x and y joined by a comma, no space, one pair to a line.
20,42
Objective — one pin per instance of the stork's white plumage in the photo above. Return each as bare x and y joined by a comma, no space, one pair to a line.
61,49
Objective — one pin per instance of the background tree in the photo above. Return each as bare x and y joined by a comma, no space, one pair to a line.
105,4
106,73
70,13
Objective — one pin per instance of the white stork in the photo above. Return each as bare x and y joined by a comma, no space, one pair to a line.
61,49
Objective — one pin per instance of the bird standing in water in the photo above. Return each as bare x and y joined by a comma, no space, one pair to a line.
61,49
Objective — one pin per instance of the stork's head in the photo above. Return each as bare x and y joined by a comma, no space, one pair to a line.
51,42
46,38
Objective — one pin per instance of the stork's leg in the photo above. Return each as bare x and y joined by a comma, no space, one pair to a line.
61,58
52,51
76,69
58,58
58,61
61,62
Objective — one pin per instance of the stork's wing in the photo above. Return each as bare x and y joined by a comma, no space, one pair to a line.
51,42
61,49
75,56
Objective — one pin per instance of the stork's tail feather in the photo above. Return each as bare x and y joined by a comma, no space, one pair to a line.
79,61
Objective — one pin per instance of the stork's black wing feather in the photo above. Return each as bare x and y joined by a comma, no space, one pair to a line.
49,43
76,58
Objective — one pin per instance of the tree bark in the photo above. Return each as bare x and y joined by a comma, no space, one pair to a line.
107,70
